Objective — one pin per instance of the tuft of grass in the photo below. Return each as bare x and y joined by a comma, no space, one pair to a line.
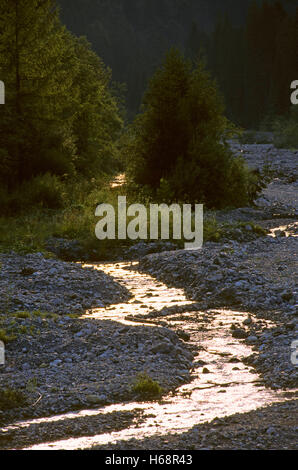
146,388
212,230
11,327
22,315
5,337
257,229
11,398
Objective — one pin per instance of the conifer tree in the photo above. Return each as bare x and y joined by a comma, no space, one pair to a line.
60,115
176,146
35,50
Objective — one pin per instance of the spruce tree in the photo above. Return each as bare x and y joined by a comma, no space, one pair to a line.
176,146
37,65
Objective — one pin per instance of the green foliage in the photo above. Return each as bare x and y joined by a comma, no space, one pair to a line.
44,191
212,230
177,145
146,388
59,101
34,225
11,398
97,122
286,130
5,337
34,51
27,233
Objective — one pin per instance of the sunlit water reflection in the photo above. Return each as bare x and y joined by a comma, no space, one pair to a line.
289,230
229,387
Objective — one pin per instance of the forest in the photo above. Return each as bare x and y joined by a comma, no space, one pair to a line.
248,46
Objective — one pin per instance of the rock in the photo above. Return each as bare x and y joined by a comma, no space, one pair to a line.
96,399
229,295
66,249
239,333
252,339
58,288
56,363
162,348
183,335
271,431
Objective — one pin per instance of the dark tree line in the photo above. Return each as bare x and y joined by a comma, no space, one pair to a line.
254,65
250,49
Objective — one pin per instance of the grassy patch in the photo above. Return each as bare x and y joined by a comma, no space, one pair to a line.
15,324
29,232
257,229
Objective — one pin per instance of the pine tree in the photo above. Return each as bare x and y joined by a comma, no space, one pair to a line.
97,122
61,115
37,65
160,128
178,142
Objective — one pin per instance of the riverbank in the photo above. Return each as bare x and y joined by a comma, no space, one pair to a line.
60,359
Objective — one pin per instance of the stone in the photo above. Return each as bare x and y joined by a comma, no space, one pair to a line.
239,333
96,399
162,348
252,339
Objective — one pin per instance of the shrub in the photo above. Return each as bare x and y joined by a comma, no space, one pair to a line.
212,230
11,398
286,130
5,337
45,190
147,388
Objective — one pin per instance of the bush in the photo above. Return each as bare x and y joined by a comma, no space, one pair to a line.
44,191
11,398
5,337
286,130
147,388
